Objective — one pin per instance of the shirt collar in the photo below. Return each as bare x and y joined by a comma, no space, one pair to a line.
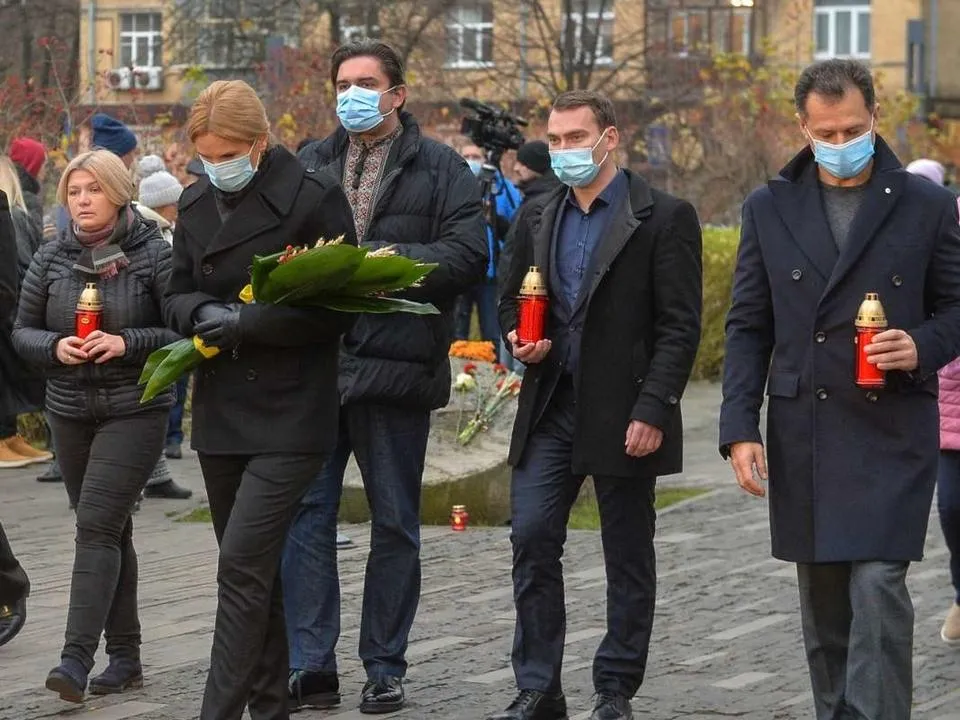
356,141
607,197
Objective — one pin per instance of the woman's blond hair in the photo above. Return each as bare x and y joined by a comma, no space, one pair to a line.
10,183
109,171
229,109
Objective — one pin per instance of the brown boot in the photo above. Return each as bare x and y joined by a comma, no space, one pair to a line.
950,632
10,459
24,449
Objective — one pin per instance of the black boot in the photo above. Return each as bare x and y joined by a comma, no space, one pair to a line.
535,705
12,619
69,680
315,690
123,673
612,707
168,490
383,695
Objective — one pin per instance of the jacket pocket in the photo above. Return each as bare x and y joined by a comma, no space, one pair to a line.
783,384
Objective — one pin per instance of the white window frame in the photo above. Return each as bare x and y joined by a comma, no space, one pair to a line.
459,29
831,12
703,12
742,12
592,19
153,38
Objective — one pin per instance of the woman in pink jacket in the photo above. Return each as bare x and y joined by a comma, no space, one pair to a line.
948,479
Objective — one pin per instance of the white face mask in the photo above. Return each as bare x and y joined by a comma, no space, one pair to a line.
230,175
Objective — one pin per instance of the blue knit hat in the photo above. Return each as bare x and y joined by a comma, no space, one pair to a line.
111,134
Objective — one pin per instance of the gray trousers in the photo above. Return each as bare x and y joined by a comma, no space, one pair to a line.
858,631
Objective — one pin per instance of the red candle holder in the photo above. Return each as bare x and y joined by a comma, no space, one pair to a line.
459,518
871,321
89,314
532,310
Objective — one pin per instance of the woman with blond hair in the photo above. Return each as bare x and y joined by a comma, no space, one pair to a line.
21,387
107,442
265,408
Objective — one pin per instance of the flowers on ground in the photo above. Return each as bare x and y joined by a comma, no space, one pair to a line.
507,388
480,350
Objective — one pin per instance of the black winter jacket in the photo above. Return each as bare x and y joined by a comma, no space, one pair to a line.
428,205
31,196
132,309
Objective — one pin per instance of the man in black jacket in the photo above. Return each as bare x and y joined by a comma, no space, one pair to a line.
418,195
601,397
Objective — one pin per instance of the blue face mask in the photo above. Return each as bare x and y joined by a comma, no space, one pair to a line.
230,175
576,167
359,109
847,160
475,166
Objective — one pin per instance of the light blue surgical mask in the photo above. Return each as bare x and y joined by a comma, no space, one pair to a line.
847,160
359,109
576,167
475,166
230,175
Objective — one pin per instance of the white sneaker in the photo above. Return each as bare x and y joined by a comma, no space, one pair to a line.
950,632
343,540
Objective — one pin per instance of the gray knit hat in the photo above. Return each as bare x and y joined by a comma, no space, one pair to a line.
159,189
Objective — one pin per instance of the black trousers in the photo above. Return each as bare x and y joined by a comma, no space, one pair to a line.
105,465
14,585
543,490
253,500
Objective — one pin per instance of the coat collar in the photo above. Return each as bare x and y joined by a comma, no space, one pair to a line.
797,198
271,198
329,154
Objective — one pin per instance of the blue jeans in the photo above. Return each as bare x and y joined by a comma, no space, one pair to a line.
175,422
389,444
948,505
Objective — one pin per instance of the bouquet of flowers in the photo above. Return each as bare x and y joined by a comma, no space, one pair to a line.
331,275
490,400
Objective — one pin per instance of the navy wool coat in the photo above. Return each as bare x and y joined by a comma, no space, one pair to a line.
852,471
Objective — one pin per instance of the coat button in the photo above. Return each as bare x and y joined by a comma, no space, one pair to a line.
872,396
673,399
311,170
822,393
206,269
896,280
820,337
251,375
796,274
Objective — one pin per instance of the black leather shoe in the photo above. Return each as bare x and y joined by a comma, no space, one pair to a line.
612,707
382,696
535,705
122,674
12,619
315,690
168,490
52,474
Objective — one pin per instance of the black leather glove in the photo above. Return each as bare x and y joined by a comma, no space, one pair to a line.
218,325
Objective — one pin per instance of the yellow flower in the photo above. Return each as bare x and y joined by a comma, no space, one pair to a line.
246,295
208,351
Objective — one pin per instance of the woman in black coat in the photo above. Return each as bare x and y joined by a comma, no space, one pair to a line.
107,442
265,409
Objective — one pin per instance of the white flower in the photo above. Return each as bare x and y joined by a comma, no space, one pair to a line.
464,382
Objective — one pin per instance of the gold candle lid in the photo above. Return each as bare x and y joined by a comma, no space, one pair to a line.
871,314
533,283
459,508
90,299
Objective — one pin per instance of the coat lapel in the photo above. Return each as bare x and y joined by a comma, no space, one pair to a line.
801,208
543,233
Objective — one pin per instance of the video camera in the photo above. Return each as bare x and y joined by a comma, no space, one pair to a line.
492,129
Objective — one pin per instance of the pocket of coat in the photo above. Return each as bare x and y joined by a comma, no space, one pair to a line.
783,384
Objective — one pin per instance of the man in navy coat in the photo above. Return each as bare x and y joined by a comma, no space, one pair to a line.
851,471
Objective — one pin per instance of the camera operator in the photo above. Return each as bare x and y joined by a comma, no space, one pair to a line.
500,205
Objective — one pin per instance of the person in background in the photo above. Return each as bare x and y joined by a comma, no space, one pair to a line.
417,195
265,408
499,209
30,157
107,440
157,200
14,590
193,171
21,385
948,468
851,470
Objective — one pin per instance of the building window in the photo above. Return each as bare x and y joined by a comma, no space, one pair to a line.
700,27
591,24
470,34
842,29
141,39
358,20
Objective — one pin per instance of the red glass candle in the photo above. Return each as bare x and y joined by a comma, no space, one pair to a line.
533,304
459,518
89,314
871,321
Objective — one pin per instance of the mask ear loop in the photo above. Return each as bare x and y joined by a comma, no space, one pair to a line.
606,154
389,89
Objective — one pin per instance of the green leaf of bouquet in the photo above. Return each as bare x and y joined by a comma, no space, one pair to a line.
386,274
153,362
350,304
182,358
328,268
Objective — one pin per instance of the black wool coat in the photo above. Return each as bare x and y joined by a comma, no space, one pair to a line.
640,333
277,391
852,471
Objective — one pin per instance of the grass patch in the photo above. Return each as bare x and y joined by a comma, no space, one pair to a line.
197,515
586,516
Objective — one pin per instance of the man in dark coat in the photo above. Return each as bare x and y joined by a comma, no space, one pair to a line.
419,196
851,470
601,397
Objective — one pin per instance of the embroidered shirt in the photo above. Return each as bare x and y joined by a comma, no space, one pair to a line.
362,173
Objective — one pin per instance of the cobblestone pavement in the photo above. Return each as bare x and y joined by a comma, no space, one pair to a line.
726,639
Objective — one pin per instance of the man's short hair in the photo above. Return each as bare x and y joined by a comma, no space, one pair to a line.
599,103
832,79
389,59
